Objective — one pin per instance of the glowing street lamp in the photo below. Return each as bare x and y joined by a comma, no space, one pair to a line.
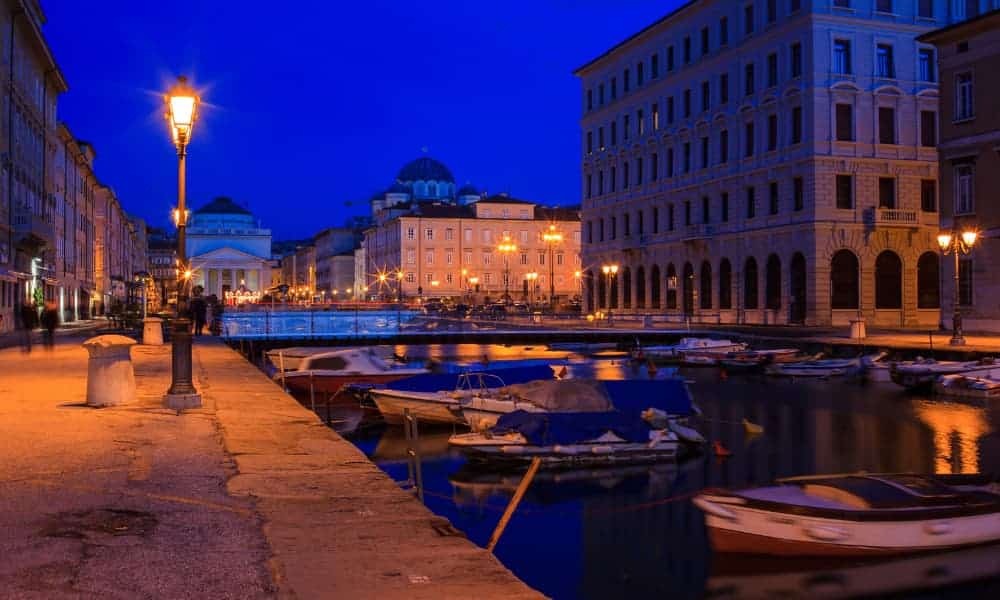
182,112
552,237
506,248
531,278
951,243
610,271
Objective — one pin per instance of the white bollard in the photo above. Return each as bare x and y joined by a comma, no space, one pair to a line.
858,330
152,331
110,379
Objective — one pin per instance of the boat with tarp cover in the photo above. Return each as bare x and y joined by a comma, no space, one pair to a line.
854,515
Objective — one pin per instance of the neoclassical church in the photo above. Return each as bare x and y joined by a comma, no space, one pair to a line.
229,250
424,180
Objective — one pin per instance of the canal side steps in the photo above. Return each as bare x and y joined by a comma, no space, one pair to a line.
337,526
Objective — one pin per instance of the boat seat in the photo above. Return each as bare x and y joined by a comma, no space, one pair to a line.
836,495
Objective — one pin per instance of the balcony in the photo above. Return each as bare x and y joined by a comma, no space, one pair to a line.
893,217
31,229
702,231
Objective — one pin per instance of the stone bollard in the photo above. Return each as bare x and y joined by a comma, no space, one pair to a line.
110,380
152,331
858,330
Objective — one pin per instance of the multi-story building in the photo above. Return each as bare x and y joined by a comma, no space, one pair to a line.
162,260
767,162
27,139
228,250
335,261
969,164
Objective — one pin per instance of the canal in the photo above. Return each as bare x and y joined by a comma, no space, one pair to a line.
634,532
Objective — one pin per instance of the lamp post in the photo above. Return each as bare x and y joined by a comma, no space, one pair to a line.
465,284
473,282
531,277
953,243
610,271
578,275
506,247
551,238
182,111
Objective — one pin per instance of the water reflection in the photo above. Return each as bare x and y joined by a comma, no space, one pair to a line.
957,429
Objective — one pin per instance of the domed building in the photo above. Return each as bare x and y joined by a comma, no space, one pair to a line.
228,249
423,180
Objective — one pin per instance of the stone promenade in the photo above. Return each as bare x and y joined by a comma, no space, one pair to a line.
248,497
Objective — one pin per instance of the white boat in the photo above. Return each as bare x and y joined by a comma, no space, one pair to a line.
329,371
920,374
481,410
689,346
291,358
975,384
439,406
830,367
854,515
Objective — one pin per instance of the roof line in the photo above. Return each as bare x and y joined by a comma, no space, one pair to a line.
578,71
944,31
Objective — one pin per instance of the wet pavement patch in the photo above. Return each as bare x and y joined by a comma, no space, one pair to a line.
109,521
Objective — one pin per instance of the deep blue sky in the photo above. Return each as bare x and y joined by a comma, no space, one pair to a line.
316,104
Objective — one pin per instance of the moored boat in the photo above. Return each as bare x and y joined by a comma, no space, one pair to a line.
755,360
289,359
328,372
920,374
829,367
976,384
854,515
688,346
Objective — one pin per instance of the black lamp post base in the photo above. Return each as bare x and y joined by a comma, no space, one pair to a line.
182,393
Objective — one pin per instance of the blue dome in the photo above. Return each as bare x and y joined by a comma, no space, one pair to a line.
468,190
425,169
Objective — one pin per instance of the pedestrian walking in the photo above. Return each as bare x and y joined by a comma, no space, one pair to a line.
29,318
198,311
50,320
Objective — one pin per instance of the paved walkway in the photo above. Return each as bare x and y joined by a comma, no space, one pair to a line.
247,497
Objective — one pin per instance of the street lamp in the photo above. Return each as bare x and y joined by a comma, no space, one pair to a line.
182,111
610,271
551,238
951,243
506,247
399,286
531,277
465,282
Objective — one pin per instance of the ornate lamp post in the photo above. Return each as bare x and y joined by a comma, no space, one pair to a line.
182,111
551,238
610,271
953,243
506,247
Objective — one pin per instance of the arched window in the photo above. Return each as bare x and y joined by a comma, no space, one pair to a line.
626,288
928,283
888,281
706,285
772,291
750,284
797,288
844,280
672,284
602,292
613,303
655,285
687,283
432,189
725,284
640,287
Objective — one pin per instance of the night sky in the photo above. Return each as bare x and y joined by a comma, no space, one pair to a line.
311,107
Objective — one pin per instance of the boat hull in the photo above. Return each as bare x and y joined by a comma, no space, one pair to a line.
394,407
331,384
572,455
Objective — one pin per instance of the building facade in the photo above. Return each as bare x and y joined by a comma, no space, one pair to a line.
335,261
162,260
767,162
969,165
228,250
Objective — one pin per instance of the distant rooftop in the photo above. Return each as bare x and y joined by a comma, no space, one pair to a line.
223,205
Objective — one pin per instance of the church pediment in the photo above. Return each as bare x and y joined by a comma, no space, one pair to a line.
226,256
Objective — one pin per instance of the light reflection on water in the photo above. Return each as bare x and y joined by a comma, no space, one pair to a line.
633,532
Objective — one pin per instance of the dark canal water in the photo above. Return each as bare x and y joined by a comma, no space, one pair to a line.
634,532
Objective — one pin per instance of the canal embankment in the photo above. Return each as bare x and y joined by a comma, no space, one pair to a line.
248,496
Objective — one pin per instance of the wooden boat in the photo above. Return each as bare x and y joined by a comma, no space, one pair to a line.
854,515
688,347
830,367
327,372
920,374
975,384
755,360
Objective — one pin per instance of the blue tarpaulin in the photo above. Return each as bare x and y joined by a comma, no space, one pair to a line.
547,429
436,382
634,396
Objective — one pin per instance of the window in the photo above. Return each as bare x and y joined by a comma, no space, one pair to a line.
964,106
687,104
798,194
614,228
965,282
487,236
670,110
724,88
928,128
927,70
925,9
845,191
886,192
773,197
449,234
411,257
687,50
796,60
600,93
723,146
640,122
640,222
614,88
704,152
670,162
884,66
687,157
613,187
883,6
600,138
723,31
794,5
600,182
656,116
772,70
654,66
654,166
772,11
969,7
639,76
704,41
705,213
725,207
590,99
590,232
600,230
670,58
964,190
468,234
670,217
842,57
928,195
748,19
748,140
751,202
638,171
411,233
886,125
626,81
625,128
845,123
614,132
656,219
928,281
590,142
748,82
706,98
772,133
687,212
411,277
796,125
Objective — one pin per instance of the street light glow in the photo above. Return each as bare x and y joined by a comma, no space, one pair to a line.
182,110
944,241
969,238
